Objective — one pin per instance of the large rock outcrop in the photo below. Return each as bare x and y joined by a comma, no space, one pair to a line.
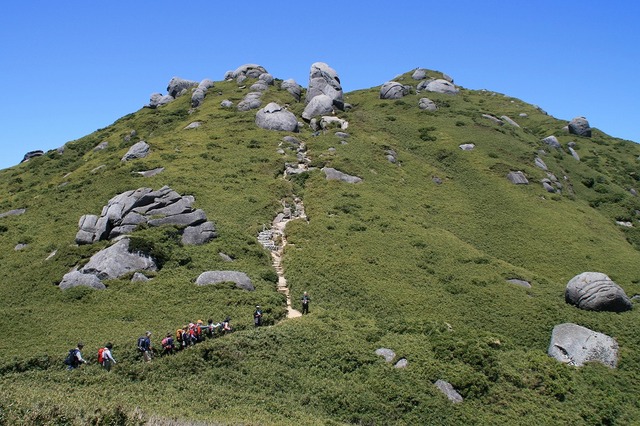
393,90
293,88
324,80
240,279
439,86
138,150
178,86
576,345
319,105
126,211
198,95
580,126
110,263
595,291
275,117
245,71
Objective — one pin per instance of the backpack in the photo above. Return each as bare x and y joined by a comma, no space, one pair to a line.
141,344
71,360
100,358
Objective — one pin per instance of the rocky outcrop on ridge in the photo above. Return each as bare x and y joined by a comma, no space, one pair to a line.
439,86
293,88
176,87
324,80
393,90
245,71
575,345
319,105
32,154
126,211
595,291
198,95
580,126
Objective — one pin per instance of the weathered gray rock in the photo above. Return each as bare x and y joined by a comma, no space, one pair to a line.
193,125
552,141
447,389
327,122
402,363
274,117
467,146
523,115
441,86
186,219
201,91
225,257
101,146
547,186
267,78
342,135
199,234
447,77
77,278
575,345
319,105
494,120
393,90
419,74
574,154
139,278
517,178
15,212
518,282
228,104
540,163
293,88
250,101
158,99
248,71
509,121
427,104
240,279
387,354
595,291
32,154
259,86
20,246
333,174
324,80
139,150
580,126
116,261
152,172
178,86
125,212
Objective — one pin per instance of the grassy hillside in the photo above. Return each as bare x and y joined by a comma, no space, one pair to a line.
396,261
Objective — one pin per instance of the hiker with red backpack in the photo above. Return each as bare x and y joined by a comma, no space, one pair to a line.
167,345
105,358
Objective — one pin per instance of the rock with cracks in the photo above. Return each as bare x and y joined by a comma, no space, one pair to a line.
447,389
116,261
240,279
580,126
575,345
275,117
333,174
324,80
595,291
393,90
139,150
78,279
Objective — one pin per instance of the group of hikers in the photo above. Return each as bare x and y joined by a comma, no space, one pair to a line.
183,338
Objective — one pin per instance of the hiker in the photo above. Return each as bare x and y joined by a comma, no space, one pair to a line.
226,327
305,303
144,346
257,316
105,358
167,345
211,328
74,358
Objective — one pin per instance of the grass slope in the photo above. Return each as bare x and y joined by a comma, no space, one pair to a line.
396,261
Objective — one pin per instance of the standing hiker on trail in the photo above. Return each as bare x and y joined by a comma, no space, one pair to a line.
257,316
105,358
305,303
144,346
167,345
226,326
74,358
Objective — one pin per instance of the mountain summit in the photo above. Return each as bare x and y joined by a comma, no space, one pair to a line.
468,259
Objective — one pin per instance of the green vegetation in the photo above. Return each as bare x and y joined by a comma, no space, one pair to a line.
396,261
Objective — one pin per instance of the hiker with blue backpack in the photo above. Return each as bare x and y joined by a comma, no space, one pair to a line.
144,346
74,357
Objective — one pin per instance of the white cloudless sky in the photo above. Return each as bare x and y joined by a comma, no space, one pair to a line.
72,67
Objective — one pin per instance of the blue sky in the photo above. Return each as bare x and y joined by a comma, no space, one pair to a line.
72,67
